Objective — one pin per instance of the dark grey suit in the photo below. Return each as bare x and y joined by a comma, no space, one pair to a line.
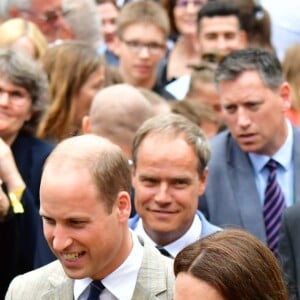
231,196
289,249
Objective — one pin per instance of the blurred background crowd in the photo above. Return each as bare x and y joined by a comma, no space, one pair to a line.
70,67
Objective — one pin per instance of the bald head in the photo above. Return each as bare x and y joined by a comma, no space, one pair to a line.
116,113
79,150
103,160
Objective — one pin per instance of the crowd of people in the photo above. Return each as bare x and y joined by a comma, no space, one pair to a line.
149,150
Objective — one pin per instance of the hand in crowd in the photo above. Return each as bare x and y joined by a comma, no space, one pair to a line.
4,203
9,172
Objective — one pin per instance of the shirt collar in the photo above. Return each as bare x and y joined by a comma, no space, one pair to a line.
121,282
283,156
192,235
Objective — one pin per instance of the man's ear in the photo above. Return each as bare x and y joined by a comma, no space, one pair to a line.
133,177
14,12
123,206
285,94
117,46
202,182
244,39
164,50
86,124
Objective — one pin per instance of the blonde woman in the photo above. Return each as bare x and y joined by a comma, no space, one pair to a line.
23,35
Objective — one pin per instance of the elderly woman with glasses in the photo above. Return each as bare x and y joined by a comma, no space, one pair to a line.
48,15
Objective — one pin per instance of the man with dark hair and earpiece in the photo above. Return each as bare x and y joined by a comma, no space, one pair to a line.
255,164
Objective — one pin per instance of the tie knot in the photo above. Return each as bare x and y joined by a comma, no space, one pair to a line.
98,285
272,165
163,251
96,288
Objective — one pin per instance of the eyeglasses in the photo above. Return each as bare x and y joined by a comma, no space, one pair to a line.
185,3
48,16
136,47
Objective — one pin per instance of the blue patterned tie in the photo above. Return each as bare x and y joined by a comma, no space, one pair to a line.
163,251
274,206
96,288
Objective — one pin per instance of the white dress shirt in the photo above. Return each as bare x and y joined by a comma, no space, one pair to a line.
192,235
284,173
120,284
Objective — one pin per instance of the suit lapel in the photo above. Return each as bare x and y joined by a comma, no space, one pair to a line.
140,293
61,287
244,188
296,158
151,277
239,168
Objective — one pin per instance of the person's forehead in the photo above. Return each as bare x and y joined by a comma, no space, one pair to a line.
144,32
248,85
175,153
167,137
42,5
6,83
219,23
107,8
63,163
247,77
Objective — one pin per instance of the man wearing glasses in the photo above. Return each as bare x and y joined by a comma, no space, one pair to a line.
143,28
47,15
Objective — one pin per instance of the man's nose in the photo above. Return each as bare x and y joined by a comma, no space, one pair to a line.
221,44
4,98
162,196
144,52
243,119
60,240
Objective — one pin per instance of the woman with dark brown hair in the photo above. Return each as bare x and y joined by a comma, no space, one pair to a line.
227,265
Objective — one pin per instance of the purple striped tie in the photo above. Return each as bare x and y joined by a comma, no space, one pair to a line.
274,206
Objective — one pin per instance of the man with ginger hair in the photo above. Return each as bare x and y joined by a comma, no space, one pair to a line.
85,206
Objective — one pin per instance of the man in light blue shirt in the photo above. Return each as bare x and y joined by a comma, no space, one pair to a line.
169,155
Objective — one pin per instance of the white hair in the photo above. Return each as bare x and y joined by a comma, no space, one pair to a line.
84,20
6,5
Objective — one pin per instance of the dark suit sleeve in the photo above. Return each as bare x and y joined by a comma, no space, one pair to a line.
23,246
287,261
19,235
30,155
202,206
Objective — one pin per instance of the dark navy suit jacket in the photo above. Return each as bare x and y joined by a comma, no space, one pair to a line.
23,246
289,249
